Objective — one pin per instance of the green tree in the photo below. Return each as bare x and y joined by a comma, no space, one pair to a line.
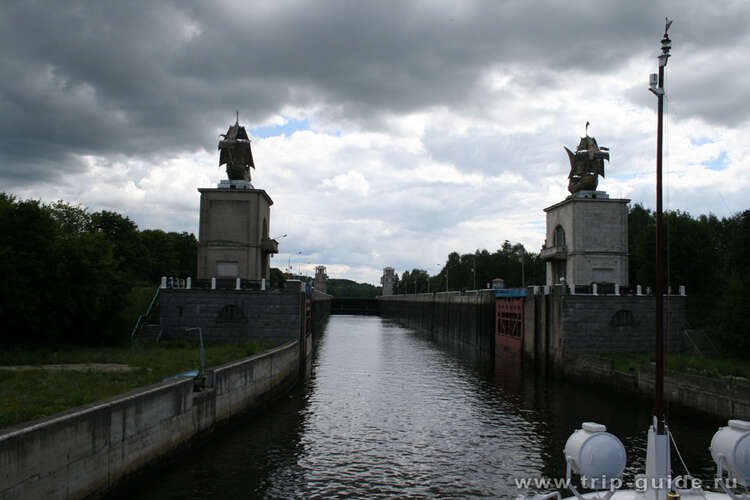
349,288
277,278
28,265
129,252
641,246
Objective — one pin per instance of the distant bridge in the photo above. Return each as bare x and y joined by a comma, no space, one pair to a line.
354,305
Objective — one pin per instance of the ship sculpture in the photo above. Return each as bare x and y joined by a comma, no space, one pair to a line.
586,164
235,153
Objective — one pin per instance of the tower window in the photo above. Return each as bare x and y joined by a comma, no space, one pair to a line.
559,237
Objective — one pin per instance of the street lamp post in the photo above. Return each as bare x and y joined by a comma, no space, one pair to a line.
202,349
475,271
523,273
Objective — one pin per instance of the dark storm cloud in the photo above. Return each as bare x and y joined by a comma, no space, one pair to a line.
138,79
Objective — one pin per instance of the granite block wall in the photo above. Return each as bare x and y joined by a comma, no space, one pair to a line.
558,324
232,315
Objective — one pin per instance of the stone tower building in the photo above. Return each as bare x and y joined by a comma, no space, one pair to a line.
387,280
320,278
233,238
587,233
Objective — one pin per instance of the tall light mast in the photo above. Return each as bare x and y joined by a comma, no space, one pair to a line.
666,45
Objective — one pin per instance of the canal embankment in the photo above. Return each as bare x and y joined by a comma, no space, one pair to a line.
719,397
87,450
460,320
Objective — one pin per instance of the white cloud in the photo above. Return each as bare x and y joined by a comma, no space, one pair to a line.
350,182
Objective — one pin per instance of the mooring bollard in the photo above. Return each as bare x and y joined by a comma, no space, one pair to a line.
213,283
237,284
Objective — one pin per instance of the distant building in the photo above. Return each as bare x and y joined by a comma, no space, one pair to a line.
320,278
387,280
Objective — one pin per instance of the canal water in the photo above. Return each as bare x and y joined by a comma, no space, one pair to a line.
389,413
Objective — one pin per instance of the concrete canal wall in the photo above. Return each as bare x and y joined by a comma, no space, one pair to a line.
720,397
321,309
86,450
464,321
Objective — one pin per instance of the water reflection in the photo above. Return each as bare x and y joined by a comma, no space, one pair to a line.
389,413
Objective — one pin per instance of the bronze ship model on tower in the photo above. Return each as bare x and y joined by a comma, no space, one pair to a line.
586,164
236,153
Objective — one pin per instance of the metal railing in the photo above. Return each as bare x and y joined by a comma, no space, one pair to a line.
148,311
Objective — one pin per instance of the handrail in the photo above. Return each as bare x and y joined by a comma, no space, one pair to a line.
148,311
140,316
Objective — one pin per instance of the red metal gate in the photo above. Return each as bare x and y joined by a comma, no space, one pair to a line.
509,325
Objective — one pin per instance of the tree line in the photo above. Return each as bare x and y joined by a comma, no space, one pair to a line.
476,270
70,276
349,288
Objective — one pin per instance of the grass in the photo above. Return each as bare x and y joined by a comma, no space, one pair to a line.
28,395
684,363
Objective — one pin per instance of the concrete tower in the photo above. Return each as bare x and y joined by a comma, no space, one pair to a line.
233,240
320,278
587,233
387,280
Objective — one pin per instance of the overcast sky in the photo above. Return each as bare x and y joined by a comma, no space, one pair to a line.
387,133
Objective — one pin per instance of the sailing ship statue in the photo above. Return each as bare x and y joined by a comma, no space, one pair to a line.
599,457
235,152
586,164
